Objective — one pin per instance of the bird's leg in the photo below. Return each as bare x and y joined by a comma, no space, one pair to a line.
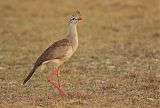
58,76
59,81
52,83
49,78
53,71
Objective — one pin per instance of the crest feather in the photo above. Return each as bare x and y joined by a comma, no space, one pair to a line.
76,13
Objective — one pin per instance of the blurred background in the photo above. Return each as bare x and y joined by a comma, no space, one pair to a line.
117,63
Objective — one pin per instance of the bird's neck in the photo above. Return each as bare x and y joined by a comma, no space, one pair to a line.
72,33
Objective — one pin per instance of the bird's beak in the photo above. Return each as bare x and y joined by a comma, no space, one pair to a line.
79,18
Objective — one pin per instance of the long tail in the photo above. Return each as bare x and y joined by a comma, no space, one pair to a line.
30,75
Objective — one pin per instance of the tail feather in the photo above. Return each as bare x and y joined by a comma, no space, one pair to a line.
29,75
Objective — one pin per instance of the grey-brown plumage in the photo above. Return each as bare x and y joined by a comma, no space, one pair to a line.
61,50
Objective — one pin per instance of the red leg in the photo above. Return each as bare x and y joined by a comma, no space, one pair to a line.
53,71
59,81
49,77
52,83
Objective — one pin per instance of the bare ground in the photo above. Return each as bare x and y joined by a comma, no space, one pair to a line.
117,64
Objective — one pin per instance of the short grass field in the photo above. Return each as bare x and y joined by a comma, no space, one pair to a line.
117,63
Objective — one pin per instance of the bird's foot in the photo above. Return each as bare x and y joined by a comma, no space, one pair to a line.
52,92
60,92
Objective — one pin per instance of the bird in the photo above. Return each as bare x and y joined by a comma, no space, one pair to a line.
59,52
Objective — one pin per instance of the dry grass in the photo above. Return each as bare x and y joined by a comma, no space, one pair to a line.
119,69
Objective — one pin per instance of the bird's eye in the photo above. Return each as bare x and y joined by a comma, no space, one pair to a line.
73,18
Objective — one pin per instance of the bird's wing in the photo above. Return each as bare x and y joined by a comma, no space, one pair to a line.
57,50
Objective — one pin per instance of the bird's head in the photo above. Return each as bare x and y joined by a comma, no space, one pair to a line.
75,17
